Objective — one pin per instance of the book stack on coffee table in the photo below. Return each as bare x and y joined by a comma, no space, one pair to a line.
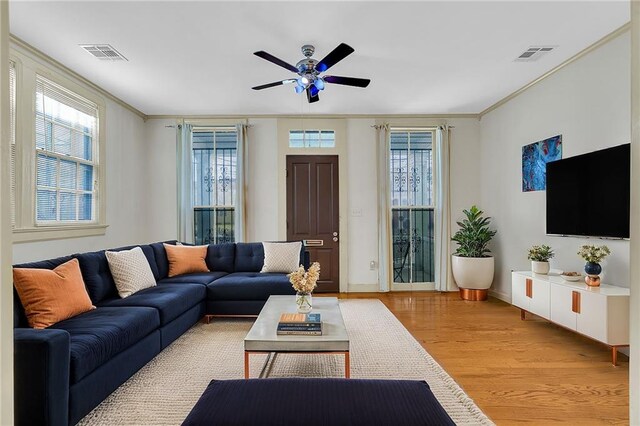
300,324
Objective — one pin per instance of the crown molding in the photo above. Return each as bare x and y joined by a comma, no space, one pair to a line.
16,41
604,40
309,116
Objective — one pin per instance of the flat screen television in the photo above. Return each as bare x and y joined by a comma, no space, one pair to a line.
588,195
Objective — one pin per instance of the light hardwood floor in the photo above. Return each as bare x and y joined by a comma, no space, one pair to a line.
516,371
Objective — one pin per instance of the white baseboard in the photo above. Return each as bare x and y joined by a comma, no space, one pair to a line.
363,288
500,295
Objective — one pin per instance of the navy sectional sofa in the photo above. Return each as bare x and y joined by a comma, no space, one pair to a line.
66,370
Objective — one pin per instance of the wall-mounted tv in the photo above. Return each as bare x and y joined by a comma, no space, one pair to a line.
588,195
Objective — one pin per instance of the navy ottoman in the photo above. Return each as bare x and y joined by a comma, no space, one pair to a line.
310,402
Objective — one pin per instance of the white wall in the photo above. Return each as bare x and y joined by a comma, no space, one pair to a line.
162,180
588,102
127,170
262,185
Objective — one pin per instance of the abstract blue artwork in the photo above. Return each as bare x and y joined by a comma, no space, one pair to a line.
535,157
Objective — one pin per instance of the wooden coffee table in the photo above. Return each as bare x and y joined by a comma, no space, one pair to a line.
262,337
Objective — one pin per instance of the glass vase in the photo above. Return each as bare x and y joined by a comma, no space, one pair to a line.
304,302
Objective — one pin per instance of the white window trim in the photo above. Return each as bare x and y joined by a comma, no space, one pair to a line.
26,228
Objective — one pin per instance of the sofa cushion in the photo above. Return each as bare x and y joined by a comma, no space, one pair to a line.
51,295
171,300
185,259
130,270
19,318
98,335
281,257
203,278
249,286
97,276
162,262
250,257
221,257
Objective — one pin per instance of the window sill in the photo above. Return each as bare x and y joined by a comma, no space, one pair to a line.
23,235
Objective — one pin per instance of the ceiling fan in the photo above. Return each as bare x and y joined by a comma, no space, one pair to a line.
309,70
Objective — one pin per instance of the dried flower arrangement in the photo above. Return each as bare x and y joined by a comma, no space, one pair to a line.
305,282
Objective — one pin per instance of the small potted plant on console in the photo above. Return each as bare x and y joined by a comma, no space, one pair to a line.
539,257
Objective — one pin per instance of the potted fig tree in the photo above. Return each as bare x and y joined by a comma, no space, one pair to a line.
472,264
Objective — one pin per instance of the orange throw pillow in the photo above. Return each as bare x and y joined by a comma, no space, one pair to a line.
186,259
52,295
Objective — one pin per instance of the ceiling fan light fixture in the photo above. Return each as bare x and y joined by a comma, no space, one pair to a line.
299,88
319,83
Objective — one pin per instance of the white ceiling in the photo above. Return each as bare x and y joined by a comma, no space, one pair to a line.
189,58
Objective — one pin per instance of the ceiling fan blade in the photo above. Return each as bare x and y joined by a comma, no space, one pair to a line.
264,55
336,55
312,98
347,81
275,83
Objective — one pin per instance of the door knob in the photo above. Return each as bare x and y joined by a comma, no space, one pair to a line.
335,234
335,239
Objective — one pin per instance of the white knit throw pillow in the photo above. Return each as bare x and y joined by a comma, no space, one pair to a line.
131,271
281,257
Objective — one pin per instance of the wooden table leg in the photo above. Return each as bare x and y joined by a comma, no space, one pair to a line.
246,364
614,355
347,366
523,314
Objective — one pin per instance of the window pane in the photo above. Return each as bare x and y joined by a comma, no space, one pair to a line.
85,207
399,168
68,174
46,171
401,246
86,177
46,205
422,236
328,139
312,138
296,139
61,140
67,206
224,226
225,176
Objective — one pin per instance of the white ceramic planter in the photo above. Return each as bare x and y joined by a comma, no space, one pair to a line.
473,274
540,267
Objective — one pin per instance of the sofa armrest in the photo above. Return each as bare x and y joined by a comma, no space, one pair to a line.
41,376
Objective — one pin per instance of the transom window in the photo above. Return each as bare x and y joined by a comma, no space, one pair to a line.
214,184
412,205
312,139
66,155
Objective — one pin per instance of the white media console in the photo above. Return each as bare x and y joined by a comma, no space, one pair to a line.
601,313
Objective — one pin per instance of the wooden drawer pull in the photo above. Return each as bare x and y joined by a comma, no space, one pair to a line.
529,288
575,302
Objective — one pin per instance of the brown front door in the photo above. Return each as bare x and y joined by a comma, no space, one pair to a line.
312,213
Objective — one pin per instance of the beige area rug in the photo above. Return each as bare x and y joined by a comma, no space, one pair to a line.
164,391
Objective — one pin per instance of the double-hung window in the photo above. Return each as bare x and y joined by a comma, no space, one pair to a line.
66,145
412,205
214,171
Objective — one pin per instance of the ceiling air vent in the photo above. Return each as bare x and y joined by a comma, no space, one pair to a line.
534,53
104,52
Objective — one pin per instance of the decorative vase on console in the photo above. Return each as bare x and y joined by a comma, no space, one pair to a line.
303,283
539,257
593,255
